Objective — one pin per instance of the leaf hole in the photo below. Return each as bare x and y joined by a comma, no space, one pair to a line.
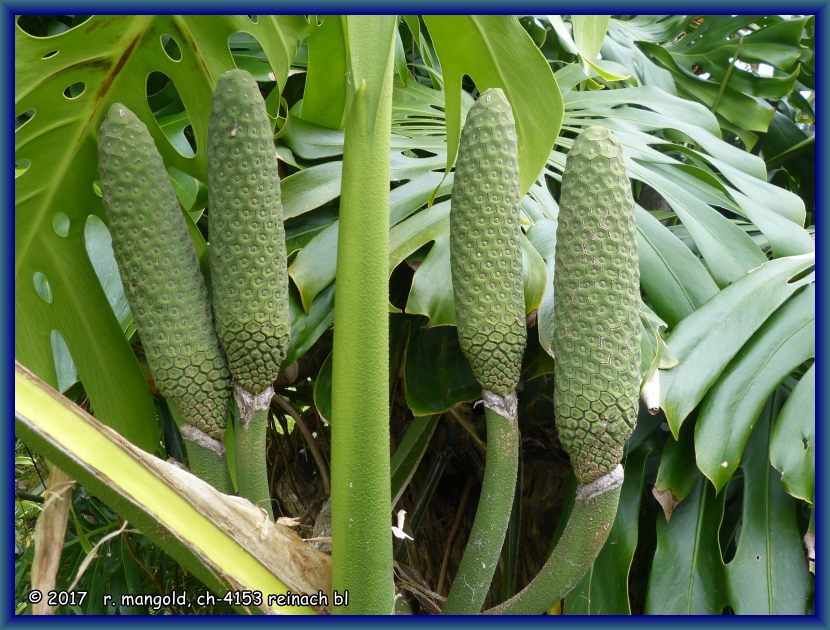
61,224
171,47
98,244
42,286
50,54
805,442
254,18
801,274
168,109
731,525
420,153
248,55
21,166
65,368
49,25
23,118
75,90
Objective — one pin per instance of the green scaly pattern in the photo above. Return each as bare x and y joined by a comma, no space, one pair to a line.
596,306
247,239
160,272
485,255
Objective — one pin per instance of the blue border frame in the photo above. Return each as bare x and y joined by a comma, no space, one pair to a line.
818,8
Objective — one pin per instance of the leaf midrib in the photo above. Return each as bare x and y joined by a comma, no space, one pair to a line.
62,171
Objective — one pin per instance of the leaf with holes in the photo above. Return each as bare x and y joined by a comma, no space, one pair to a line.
63,86
793,440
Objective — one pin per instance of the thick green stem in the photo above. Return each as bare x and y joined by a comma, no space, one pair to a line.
361,518
249,446
584,536
472,582
206,458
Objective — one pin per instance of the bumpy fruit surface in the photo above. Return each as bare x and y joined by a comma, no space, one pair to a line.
596,306
485,252
247,239
160,272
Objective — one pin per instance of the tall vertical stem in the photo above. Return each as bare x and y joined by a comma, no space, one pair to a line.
360,477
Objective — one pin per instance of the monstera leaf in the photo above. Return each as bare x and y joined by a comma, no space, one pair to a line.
63,87
714,60
482,47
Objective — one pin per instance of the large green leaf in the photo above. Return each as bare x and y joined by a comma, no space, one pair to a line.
310,188
720,40
768,575
719,61
485,48
436,373
774,40
793,442
324,97
589,32
56,287
687,575
621,45
705,341
674,279
588,35
728,251
731,408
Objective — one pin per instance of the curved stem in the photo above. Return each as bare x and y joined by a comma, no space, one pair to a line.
584,536
322,467
249,436
471,583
